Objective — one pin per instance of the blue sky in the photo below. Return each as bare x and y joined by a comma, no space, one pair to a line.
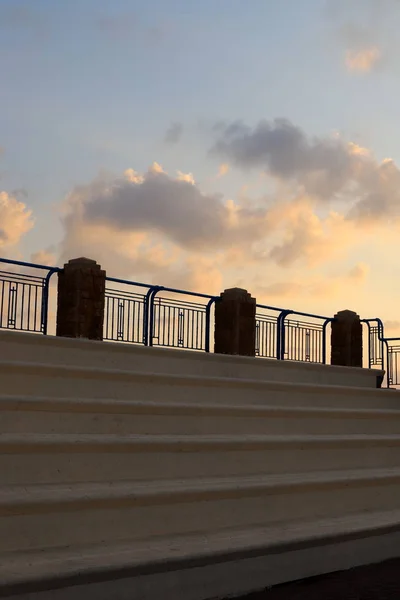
90,86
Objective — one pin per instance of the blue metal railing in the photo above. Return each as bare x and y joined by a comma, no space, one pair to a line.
268,331
283,336
126,311
178,323
160,316
304,339
383,352
24,298
140,314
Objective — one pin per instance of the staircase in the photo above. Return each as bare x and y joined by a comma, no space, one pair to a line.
141,473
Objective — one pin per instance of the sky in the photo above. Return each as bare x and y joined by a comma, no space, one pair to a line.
207,145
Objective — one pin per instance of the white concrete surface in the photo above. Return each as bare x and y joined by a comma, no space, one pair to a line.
24,347
21,378
197,475
20,414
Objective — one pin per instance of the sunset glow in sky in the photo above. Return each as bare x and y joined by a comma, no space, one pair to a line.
206,145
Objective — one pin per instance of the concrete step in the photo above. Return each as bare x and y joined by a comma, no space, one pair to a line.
199,567
31,379
25,347
21,414
72,458
40,517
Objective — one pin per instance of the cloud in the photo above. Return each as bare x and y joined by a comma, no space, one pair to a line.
359,273
391,327
172,207
188,177
284,150
223,169
311,286
327,169
15,220
45,257
367,32
363,61
173,133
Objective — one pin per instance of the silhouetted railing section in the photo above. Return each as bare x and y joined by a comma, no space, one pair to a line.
267,327
24,296
156,316
180,319
125,311
393,363
383,352
291,335
304,337
376,343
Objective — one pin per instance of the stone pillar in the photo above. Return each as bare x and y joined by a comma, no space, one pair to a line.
346,340
235,323
81,297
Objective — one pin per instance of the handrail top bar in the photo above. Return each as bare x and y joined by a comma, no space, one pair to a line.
161,288
294,312
302,314
270,307
125,281
26,264
377,319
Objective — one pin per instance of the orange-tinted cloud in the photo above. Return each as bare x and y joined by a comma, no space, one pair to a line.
15,220
223,170
362,61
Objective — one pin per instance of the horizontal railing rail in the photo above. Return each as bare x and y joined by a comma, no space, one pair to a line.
24,297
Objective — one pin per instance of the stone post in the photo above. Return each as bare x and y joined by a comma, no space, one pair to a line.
346,340
81,297
235,323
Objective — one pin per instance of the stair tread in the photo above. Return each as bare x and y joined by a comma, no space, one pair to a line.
15,497
55,404
117,347
171,378
163,553
73,442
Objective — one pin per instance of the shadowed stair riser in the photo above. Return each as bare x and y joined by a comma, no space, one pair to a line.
23,379
138,518
53,416
76,460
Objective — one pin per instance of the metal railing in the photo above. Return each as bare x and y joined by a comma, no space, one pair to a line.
160,316
291,335
157,315
126,311
383,352
180,323
304,337
24,297
268,331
